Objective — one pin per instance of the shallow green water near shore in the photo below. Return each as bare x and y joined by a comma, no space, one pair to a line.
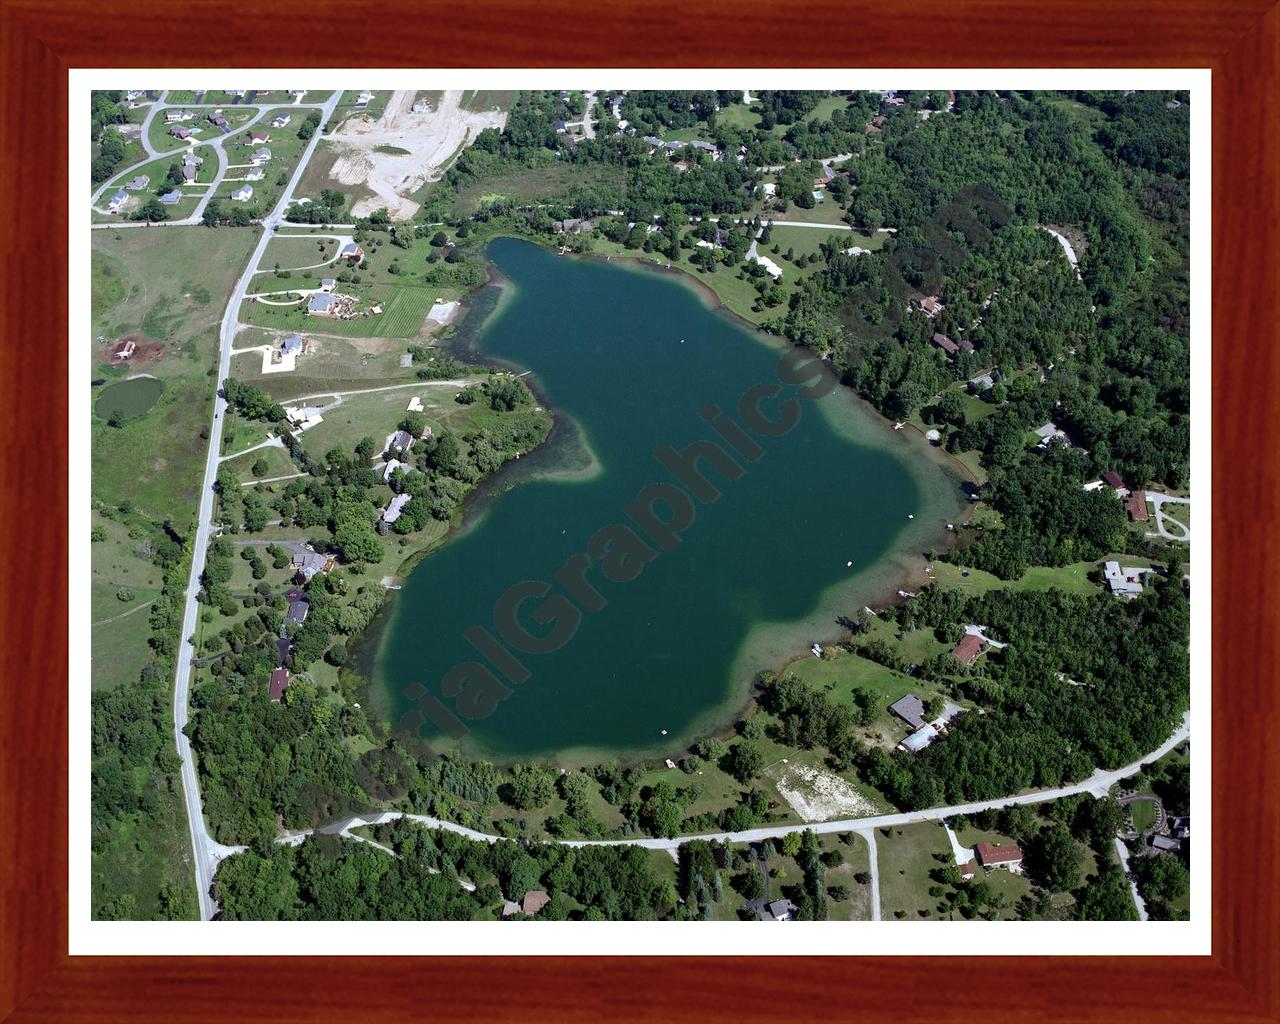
628,360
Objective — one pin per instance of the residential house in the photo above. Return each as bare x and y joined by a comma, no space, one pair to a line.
876,125
981,383
327,284
1004,855
1115,481
401,439
419,107
967,650
303,418
179,132
779,910
260,156
1125,583
509,907
281,121
364,98
968,870
534,900
137,184
255,175
931,306
1047,432
118,200
310,562
243,194
1180,828
293,345
351,251
258,139
1165,844
560,126
910,709
171,198
218,121
190,167
391,466
573,226
919,739
394,507
965,344
177,116
1136,506
322,303
299,605
279,683
946,344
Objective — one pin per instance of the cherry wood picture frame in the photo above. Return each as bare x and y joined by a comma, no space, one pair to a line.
1238,39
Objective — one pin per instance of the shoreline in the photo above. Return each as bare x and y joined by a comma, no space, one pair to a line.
875,586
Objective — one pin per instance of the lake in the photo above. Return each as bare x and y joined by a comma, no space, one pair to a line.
815,524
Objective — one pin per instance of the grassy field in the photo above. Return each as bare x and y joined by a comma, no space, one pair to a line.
483,99
1143,813
171,287
296,251
738,115
536,184
907,856
123,585
856,859
317,177
277,460
329,364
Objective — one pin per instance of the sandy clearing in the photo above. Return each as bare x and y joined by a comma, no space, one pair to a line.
432,138
818,795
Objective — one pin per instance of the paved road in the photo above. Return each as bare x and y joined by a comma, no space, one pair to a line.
207,852
1122,852
1158,501
1097,784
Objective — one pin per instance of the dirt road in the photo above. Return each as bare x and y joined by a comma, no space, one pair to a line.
429,141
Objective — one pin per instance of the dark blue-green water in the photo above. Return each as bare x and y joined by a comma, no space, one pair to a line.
626,359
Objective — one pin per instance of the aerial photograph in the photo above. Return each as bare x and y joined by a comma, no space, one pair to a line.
607,504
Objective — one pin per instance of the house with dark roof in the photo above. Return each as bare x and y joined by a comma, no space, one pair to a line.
946,344
351,251
180,132
171,198
137,184
1165,844
1115,481
1136,506
967,650
279,683
910,709
299,605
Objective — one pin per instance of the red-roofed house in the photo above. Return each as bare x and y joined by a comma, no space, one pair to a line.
1136,506
1113,479
1006,855
968,870
968,649
279,683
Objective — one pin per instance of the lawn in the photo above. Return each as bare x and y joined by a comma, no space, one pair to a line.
907,856
1143,813
285,148
158,171
329,363
377,413
856,859
404,310
277,460
806,241
201,129
1008,886
738,115
296,252
171,287
480,100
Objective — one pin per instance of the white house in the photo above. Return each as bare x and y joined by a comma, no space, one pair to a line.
243,194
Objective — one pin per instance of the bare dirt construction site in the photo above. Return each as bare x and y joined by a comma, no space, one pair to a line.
416,149
818,795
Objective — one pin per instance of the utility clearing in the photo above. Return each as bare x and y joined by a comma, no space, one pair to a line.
817,795
428,142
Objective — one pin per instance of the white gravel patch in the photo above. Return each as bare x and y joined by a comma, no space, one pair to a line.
816,794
